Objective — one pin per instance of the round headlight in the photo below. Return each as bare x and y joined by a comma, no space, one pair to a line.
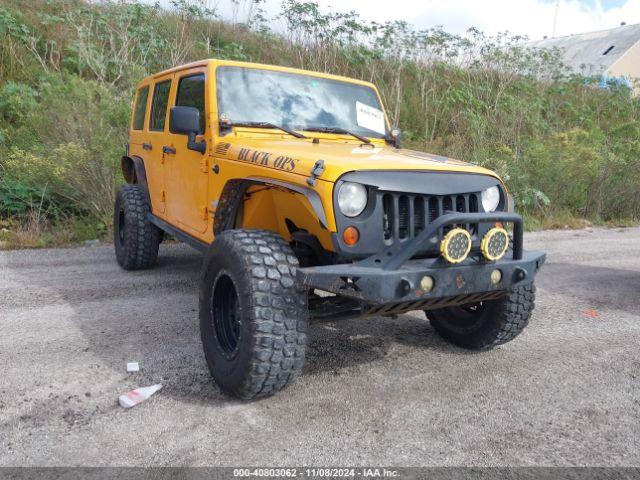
352,198
490,199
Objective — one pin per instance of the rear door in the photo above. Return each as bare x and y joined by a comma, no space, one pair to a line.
157,130
137,133
140,145
187,170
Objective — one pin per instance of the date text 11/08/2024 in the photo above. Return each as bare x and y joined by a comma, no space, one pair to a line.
372,472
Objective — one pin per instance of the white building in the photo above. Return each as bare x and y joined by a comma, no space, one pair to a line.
609,53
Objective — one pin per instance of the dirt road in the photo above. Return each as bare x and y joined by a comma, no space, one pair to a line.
376,391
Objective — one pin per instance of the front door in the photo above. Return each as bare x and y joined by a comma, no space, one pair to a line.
187,170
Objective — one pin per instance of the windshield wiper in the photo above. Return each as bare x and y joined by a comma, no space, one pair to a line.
340,131
267,125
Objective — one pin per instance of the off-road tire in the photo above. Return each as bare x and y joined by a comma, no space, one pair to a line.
270,314
136,239
227,209
499,321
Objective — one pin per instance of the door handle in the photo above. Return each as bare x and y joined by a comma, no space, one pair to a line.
169,150
147,146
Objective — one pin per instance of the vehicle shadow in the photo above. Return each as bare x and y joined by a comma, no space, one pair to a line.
345,343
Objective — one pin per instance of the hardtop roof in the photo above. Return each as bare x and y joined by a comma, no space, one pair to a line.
206,62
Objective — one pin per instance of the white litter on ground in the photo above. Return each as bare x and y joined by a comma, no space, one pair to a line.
139,395
133,367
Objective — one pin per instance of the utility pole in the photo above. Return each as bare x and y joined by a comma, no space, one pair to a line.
555,19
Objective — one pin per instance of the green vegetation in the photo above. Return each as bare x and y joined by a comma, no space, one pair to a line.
68,69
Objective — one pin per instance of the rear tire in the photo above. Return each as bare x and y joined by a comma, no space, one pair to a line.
253,317
485,325
136,239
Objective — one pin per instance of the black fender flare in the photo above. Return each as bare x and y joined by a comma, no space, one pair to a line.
134,172
233,194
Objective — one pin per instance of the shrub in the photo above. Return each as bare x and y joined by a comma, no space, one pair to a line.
71,142
16,101
68,68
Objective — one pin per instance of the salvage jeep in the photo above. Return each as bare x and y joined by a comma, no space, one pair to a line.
296,188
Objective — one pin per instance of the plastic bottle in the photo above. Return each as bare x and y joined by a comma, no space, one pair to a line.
139,395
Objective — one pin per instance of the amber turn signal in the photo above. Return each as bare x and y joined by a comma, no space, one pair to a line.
350,236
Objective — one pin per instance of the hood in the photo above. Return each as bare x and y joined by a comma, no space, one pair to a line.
300,155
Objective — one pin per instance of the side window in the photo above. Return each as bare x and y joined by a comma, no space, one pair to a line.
159,105
140,108
191,94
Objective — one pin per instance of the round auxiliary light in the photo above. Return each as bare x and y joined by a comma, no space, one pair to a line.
456,245
495,244
427,283
496,276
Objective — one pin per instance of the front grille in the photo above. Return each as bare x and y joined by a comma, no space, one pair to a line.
406,215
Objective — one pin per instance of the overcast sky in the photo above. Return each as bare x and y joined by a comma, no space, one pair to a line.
533,18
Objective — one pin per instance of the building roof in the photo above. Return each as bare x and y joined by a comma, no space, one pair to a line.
594,52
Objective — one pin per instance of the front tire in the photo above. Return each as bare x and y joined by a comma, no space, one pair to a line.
484,325
136,239
253,317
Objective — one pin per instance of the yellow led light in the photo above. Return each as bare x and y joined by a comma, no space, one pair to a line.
495,244
496,276
456,245
427,283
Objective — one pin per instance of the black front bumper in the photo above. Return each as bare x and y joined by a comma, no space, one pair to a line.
392,276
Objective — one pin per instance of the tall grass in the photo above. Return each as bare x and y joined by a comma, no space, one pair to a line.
68,69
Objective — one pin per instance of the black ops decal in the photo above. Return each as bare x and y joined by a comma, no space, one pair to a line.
254,156
285,163
267,159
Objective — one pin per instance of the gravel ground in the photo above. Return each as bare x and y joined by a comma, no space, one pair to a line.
375,391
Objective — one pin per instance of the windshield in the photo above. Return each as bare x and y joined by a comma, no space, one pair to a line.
299,102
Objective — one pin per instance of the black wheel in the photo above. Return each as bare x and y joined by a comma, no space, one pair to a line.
135,238
253,317
484,325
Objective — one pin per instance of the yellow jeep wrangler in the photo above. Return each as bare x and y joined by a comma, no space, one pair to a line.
295,187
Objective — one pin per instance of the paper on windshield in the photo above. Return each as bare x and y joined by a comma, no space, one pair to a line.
370,118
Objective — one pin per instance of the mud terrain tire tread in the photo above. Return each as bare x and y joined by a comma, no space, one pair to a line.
230,199
139,250
507,318
274,313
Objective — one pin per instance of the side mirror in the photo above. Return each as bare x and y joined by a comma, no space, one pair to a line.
396,137
186,121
